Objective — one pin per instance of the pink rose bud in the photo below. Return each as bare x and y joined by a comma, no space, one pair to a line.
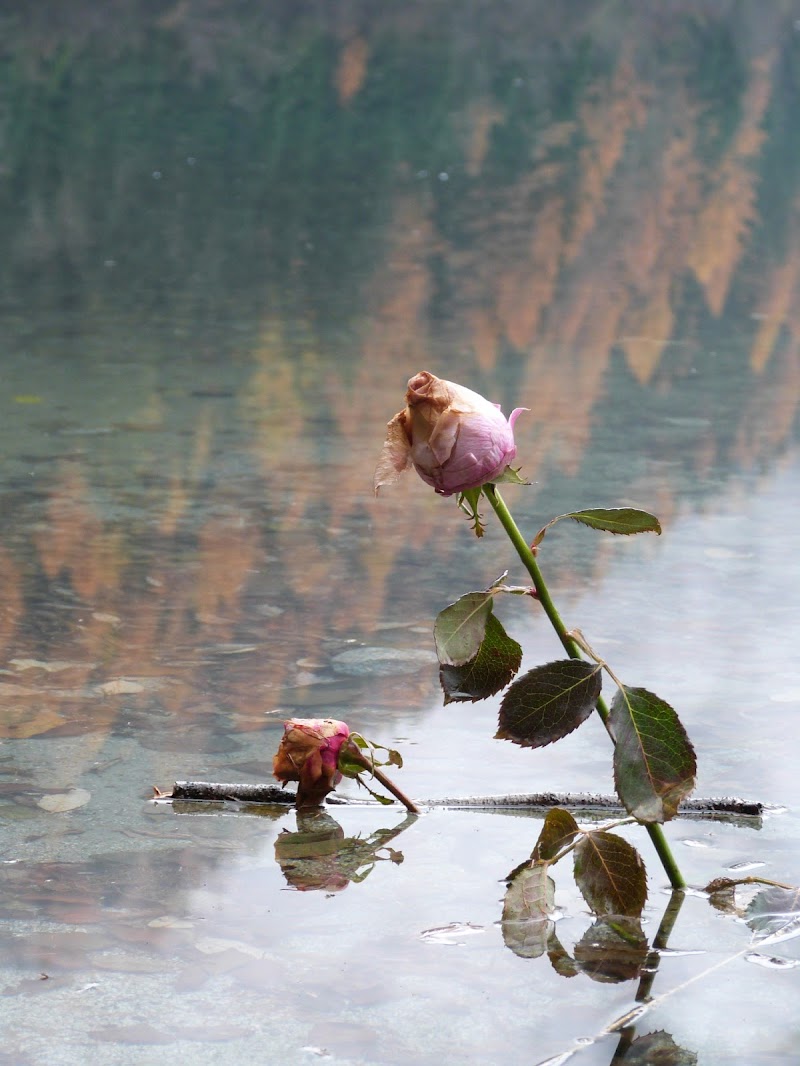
309,753
454,438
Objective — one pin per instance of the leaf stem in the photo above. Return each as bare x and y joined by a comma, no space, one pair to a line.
572,649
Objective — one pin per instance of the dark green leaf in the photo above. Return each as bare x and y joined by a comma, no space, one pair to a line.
774,914
622,520
549,702
527,906
614,949
654,761
559,830
610,874
496,663
459,629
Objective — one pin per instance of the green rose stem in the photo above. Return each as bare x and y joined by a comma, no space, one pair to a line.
529,562
354,754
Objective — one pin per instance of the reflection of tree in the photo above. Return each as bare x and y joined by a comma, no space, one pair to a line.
615,206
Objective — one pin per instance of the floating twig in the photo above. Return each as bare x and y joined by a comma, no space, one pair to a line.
582,801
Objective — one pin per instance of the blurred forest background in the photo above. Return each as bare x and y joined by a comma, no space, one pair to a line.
231,232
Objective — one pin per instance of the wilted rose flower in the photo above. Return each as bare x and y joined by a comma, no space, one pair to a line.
309,753
454,438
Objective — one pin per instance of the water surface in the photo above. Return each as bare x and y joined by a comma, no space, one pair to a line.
230,238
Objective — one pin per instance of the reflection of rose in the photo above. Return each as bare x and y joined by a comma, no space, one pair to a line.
318,857
308,753
454,438
309,857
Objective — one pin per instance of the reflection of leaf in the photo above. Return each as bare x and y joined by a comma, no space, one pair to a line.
560,959
656,1048
549,702
527,906
559,830
492,668
774,914
654,761
610,874
613,949
459,629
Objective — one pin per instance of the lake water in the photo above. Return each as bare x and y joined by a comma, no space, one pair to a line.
230,237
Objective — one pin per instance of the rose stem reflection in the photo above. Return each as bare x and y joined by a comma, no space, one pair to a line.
659,942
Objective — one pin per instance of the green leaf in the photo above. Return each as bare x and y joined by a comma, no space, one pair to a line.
549,702
528,904
346,764
774,914
614,949
558,831
350,767
510,476
459,629
610,874
496,663
621,520
654,761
